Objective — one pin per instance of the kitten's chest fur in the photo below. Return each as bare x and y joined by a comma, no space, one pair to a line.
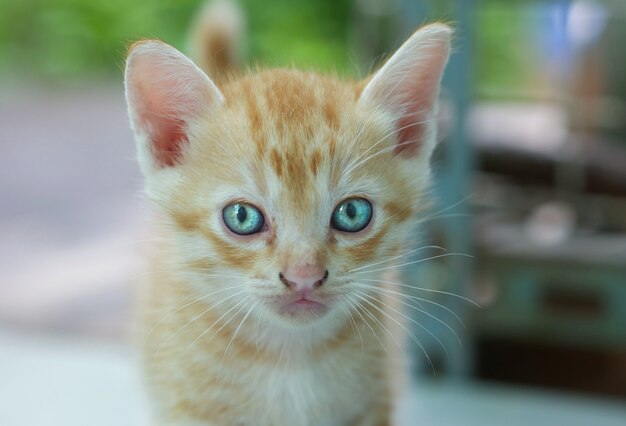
332,391
330,383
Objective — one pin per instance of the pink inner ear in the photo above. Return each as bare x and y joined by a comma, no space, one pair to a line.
168,141
408,85
159,107
157,116
421,96
166,92
410,137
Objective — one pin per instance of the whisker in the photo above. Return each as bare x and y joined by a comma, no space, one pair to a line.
355,327
462,200
358,309
379,107
429,290
389,292
415,262
237,330
170,337
420,325
428,218
211,271
369,119
389,148
396,257
169,315
190,271
243,302
383,327
256,333
409,332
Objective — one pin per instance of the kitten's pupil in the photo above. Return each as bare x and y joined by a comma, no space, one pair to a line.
242,214
351,210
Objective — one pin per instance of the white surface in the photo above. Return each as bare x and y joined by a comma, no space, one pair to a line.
55,380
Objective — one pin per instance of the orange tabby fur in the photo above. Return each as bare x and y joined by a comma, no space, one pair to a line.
295,144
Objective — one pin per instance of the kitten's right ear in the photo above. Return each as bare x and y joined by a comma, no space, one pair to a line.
407,87
165,92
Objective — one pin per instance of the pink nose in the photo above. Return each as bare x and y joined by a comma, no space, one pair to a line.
308,277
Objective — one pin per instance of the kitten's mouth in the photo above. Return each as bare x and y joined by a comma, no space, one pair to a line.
302,305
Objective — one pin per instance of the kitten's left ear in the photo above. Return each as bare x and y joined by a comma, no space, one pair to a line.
165,93
407,87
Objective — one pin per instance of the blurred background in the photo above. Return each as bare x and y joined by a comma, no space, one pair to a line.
531,181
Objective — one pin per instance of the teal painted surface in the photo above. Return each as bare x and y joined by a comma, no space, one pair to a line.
520,306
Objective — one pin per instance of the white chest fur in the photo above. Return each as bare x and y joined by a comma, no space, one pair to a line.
329,392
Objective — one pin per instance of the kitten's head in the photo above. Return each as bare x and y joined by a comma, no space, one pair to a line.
281,187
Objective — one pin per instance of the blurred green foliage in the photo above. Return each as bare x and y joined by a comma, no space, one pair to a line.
78,38
84,39
500,55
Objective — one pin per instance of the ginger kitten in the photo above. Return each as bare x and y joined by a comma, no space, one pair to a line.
281,195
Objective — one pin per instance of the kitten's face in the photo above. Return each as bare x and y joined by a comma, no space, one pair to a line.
286,176
284,186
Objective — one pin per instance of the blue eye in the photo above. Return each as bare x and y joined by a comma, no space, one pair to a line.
352,215
243,219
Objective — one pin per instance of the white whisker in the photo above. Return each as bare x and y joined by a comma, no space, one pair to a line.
441,216
382,326
243,302
238,328
189,304
420,325
379,107
389,292
450,207
429,290
415,262
355,327
409,332
379,152
358,309
171,336
190,271
396,257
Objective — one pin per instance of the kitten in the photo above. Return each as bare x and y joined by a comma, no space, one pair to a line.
282,197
